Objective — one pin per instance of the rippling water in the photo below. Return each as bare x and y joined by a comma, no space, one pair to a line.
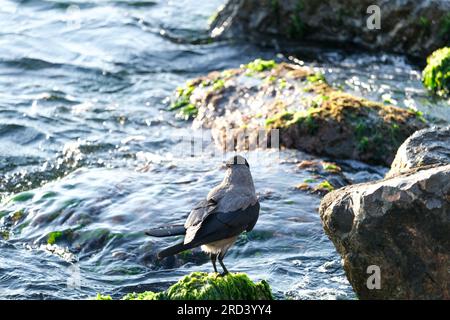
89,157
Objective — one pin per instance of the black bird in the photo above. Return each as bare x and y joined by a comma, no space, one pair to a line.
215,223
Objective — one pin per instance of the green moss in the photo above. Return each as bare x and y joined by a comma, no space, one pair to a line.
259,65
54,236
187,110
4,213
226,74
309,121
213,17
331,167
436,75
363,144
17,216
185,254
258,235
425,25
310,180
183,96
297,27
270,79
317,77
424,22
204,286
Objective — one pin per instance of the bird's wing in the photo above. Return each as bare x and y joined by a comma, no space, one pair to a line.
200,212
222,225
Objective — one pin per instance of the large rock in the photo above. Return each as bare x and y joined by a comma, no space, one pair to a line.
240,105
425,147
401,225
416,27
204,286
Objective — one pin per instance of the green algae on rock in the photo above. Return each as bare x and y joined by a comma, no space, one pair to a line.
103,297
325,177
308,113
436,75
54,236
204,286
259,65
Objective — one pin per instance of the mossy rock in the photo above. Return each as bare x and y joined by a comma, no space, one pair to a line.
204,286
240,105
436,75
346,126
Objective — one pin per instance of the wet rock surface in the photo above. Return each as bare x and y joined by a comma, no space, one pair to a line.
400,224
412,26
425,147
242,106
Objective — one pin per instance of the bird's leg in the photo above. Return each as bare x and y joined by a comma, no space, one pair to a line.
213,260
225,271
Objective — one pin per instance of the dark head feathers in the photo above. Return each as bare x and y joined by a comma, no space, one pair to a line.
237,160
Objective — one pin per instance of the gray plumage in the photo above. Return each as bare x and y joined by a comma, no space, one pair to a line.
215,223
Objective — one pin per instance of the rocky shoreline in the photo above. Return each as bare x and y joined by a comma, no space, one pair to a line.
413,27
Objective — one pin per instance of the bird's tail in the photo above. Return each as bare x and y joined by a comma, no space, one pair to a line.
174,250
174,230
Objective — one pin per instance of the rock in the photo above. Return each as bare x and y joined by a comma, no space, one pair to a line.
401,225
425,147
204,286
436,75
415,27
243,105
325,177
